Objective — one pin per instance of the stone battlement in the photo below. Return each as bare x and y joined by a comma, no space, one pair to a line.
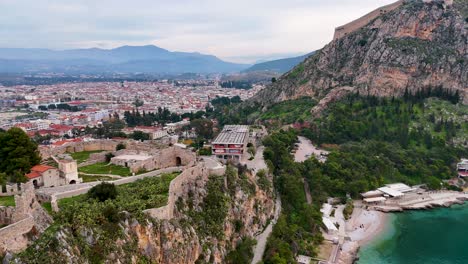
362,21
366,19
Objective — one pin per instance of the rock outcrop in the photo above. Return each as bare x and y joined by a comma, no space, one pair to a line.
190,236
416,46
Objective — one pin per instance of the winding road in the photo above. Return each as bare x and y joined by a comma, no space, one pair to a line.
258,163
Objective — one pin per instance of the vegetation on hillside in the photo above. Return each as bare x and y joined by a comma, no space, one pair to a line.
413,140
85,217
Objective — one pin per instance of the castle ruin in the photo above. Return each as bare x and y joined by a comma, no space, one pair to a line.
353,26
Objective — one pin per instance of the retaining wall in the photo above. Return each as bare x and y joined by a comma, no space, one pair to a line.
11,189
180,186
14,238
55,197
361,22
6,214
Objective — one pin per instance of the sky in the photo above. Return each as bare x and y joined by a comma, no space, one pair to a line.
239,31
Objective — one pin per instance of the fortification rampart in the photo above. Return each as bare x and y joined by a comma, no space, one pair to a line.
366,19
361,22
72,147
13,238
6,214
181,186
10,189
26,217
53,199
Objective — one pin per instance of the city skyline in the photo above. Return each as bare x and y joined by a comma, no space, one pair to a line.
240,31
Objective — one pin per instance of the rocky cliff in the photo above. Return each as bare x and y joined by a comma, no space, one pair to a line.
211,217
417,46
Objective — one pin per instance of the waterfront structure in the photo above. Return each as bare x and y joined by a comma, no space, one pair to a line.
394,190
231,143
462,168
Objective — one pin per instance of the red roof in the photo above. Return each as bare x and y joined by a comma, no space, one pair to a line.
37,171
42,168
61,127
33,175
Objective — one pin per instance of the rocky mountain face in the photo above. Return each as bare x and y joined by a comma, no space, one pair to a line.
419,45
212,216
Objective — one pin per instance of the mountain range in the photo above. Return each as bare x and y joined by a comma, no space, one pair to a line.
278,66
125,59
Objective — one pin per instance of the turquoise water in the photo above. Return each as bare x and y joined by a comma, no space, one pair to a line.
438,236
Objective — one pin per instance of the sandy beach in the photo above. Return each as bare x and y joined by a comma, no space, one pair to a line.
361,228
364,225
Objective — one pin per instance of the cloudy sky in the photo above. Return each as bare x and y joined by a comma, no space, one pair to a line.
235,30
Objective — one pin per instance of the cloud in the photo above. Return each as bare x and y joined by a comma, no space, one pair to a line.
242,29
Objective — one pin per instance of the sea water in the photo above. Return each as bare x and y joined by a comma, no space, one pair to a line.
437,236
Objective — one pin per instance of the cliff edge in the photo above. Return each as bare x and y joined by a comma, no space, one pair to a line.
415,45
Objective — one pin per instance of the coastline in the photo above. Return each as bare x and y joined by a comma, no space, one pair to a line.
373,224
362,228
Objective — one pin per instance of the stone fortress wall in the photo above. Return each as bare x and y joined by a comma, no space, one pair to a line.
167,157
10,189
72,147
366,19
26,219
181,185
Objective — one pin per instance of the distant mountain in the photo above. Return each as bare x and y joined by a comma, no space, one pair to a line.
278,66
126,59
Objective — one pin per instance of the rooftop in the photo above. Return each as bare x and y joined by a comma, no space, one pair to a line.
232,134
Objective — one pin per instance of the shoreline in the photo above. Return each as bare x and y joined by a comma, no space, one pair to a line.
380,226
362,228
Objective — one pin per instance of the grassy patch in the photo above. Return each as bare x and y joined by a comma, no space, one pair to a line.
93,178
290,111
47,206
7,201
83,156
104,168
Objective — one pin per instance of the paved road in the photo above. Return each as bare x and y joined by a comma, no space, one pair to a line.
306,150
263,237
257,164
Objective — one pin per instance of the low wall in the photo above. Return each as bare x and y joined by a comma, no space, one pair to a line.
11,189
180,186
13,237
72,147
6,215
55,197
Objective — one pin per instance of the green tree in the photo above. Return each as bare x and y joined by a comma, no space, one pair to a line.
103,192
140,135
18,154
138,103
203,127
120,146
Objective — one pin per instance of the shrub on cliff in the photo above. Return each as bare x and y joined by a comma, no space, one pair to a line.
103,192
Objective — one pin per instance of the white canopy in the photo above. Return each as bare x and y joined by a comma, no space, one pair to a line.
374,200
329,224
391,192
